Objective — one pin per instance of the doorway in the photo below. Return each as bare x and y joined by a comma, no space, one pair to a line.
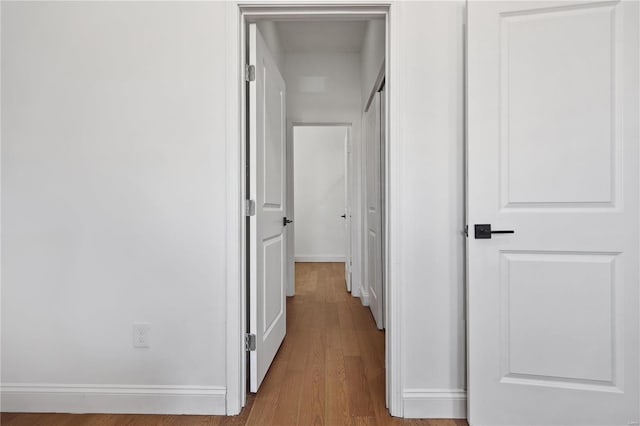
321,167
310,83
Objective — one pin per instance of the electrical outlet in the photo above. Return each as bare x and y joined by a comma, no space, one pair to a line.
141,335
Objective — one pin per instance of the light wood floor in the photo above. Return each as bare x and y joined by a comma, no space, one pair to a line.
329,370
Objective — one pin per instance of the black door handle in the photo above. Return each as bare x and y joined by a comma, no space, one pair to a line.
483,232
285,221
344,216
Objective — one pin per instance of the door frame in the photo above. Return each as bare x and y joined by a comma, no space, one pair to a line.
291,284
238,13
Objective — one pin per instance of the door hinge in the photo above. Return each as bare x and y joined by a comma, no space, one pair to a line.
466,230
250,72
249,342
250,208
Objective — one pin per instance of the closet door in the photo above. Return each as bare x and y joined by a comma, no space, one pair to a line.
373,213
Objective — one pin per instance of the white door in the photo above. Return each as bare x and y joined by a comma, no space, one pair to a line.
347,209
267,247
553,155
382,202
373,266
291,227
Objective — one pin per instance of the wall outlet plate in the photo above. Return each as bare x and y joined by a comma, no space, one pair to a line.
141,335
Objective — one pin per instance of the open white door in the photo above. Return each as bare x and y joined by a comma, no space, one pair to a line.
267,246
553,137
291,227
347,208
373,210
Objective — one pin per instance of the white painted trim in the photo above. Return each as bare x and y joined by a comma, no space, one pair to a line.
320,124
235,237
354,286
319,258
236,389
364,295
394,87
435,403
125,399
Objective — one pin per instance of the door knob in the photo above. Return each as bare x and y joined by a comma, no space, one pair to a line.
344,216
483,232
285,221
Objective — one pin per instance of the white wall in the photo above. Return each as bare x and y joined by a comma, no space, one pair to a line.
113,211
319,176
430,212
339,101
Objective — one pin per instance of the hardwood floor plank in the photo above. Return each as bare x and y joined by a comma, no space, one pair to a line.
376,389
337,410
287,408
300,341
318,317
349,342
185,421
377,341
345,318
306,316
86,419
312,402
332,339
358,397
27,419
364,421
331,317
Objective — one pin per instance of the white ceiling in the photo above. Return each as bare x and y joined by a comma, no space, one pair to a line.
319,36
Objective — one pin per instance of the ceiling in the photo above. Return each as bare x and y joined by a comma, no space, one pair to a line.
319,36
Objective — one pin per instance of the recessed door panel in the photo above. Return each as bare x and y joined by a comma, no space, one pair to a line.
552,152
273,138
559,124
273,284
564,306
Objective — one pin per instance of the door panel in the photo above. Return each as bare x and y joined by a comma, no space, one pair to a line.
581,283
553,155
373,264
267,246
571,135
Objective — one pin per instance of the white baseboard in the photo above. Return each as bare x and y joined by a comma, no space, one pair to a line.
364,296
319,258
355,287
434,403
122,399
